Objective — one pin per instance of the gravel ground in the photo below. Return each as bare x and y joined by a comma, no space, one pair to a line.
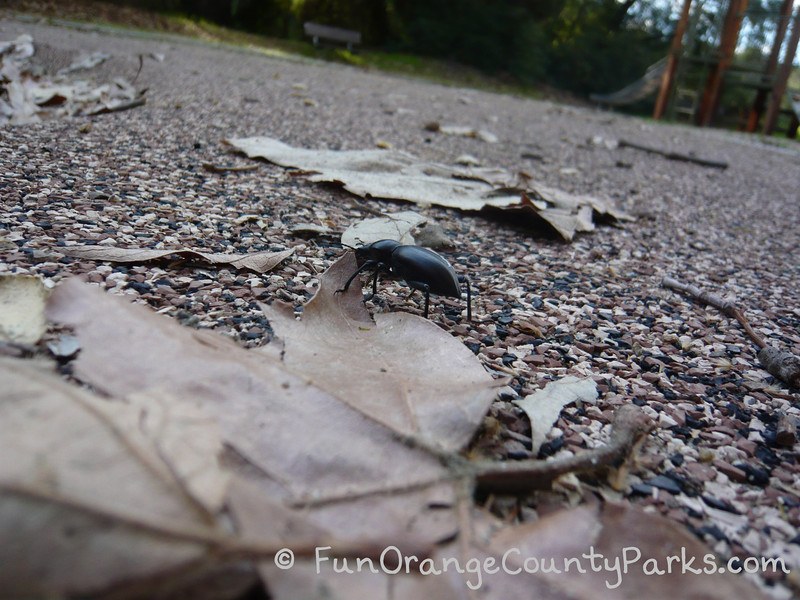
544,309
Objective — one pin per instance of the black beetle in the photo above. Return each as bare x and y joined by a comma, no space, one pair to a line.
422,269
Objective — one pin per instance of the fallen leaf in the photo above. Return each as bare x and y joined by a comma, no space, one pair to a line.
573,554
300,443
467,160
87,500
228,169
66,346
187,439
471,132
128,495
260,262
27,95
22,302
618,532
85,62
392,226
544,406
309,229
401,370
431,235
331,467
398,175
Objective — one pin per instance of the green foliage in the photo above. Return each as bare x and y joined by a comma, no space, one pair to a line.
497,37
269,17
578,45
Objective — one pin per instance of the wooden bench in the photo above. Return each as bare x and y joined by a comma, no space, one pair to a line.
319,32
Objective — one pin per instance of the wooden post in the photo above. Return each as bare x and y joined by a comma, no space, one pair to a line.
672,61
769,71
727,46
779,89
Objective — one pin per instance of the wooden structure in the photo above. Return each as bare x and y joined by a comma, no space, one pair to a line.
782,78
638,90
319,32
672,61
771,83
759,104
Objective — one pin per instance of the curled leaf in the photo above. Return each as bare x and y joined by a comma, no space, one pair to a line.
260,262
22,302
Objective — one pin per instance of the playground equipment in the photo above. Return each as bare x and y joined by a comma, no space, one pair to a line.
769,79
638,90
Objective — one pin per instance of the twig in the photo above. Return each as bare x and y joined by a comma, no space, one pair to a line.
139,70
783,365
232,169
630,425
725,306
140,101
675,155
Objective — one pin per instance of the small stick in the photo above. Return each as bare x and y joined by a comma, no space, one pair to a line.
725,306
232,169
140,101
630,425
783,365
139,70
675,155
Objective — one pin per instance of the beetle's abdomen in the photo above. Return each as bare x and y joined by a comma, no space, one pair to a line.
420,265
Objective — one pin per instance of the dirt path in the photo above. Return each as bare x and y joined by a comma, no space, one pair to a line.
545,309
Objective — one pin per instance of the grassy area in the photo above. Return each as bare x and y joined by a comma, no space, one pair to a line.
93,11
446,73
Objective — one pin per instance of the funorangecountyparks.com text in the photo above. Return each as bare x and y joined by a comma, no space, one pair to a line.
514,562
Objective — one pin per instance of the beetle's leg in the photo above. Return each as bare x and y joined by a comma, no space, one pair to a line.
378,268
423,287
465,279
367,265
374,284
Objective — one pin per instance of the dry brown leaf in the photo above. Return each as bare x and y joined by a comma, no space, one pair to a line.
309,229
401,370
544,406
351,476
27,96
87,500
492,558
290,529
22,301
187,439
99,494
398,226
619,531
85,62
301,443
396,175
471,132
260,262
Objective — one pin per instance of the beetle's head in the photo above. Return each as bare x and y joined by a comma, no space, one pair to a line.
380,250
